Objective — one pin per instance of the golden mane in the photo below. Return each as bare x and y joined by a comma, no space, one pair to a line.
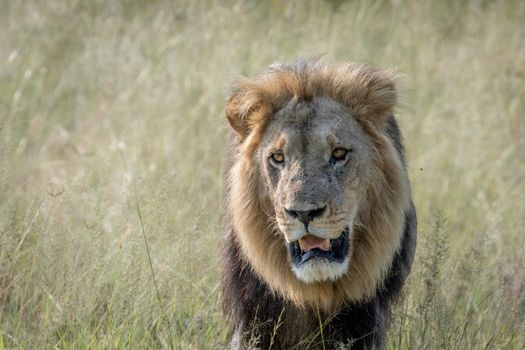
371,97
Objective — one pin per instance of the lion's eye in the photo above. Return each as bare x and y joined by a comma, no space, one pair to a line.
277,158
339,154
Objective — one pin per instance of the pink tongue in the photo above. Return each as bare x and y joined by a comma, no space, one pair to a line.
310,242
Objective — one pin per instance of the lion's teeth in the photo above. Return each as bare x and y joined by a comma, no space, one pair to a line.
301,245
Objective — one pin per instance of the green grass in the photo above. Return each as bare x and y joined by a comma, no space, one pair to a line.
106,104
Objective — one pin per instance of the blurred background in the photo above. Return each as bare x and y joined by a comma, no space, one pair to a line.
114,109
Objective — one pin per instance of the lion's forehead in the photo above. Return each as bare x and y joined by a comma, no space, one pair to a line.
306,127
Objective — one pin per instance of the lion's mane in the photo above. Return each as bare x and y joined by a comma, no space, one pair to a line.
380,233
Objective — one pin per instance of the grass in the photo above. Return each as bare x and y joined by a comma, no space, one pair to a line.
106,104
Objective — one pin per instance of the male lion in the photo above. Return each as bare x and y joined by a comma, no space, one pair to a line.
320,229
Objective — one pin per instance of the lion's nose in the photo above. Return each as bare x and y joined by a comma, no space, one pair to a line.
305,216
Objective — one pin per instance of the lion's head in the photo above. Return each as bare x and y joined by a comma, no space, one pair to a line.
318,192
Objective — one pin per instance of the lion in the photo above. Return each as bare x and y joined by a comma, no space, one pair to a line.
319,224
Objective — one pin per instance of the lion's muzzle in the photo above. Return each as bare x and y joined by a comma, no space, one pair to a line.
305,216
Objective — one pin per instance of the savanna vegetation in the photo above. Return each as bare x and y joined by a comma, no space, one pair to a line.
112,130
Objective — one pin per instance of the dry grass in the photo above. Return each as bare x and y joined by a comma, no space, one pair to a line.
106,104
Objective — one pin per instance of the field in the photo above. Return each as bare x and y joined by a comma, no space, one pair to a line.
112,129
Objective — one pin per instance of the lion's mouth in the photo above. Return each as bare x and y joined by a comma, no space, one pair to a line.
310,247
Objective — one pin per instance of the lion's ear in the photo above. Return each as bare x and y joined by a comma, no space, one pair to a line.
381,99
237,112
371,94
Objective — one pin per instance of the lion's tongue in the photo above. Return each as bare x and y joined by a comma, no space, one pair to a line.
310,242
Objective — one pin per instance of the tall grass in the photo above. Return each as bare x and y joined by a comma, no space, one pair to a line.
106,104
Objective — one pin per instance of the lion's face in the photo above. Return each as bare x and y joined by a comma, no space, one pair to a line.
317,192
314,158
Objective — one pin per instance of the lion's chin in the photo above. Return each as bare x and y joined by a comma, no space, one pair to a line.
321,264
320,270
